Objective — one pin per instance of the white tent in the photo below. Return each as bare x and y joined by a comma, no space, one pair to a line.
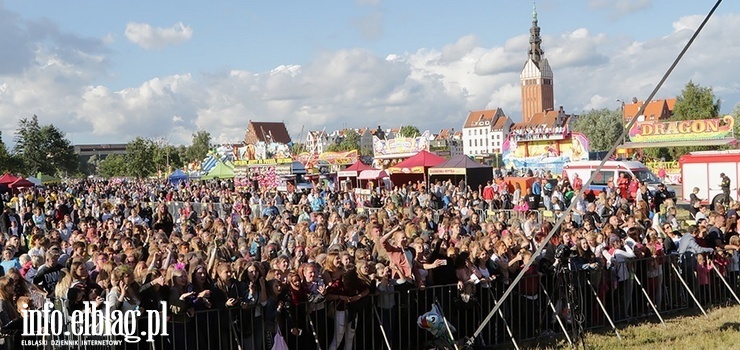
34,180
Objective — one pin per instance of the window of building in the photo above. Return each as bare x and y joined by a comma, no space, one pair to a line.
476,142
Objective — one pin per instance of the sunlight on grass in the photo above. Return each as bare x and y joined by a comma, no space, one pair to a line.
720,331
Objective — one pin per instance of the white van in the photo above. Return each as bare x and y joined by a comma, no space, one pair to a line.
612,170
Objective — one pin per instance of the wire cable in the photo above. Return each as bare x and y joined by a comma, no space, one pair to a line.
608,155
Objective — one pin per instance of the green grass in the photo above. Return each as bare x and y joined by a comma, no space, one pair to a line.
721,330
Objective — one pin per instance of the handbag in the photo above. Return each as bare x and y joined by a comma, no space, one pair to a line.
331,310
279,342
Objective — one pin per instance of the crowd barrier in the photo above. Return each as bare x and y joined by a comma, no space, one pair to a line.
541,305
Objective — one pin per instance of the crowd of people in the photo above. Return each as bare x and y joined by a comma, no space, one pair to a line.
330,269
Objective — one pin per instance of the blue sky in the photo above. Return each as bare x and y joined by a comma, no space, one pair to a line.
111,71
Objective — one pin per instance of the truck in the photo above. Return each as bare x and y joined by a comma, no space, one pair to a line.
611,170
702,170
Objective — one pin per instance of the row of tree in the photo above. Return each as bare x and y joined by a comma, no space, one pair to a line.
603,127
46,149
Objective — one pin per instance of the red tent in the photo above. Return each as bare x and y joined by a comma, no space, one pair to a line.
21,183
354,169
415,167
7,179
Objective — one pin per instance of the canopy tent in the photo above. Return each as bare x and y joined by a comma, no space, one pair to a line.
354,170
7,179
35,181
21,183
414,168
461,167
47,179
177,177
220,171
372,174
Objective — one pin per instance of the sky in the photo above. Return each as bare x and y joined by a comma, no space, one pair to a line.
109,71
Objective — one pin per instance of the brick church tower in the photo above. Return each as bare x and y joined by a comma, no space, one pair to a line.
536,77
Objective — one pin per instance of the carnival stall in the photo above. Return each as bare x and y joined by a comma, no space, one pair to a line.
220,171
415,168
461,167
177,177
352,171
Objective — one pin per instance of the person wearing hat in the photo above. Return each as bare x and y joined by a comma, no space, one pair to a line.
725,185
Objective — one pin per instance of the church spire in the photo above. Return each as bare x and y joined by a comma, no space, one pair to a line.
535,50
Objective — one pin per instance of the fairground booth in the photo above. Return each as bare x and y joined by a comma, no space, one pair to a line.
329,165
459,168
414,168
668,134
349,177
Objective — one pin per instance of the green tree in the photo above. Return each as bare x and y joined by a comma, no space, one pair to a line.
736,115
695,102
200,147
140,155
93,165
298,148
167,157
8,162
602,127
409,131
351,140
44,148
113,165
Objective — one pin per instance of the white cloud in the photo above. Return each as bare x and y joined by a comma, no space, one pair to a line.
429,88
149,37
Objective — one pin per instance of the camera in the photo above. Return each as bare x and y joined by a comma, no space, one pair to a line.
563,253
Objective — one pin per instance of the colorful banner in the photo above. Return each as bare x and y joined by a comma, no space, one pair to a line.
332,158
257,162
400,147
261,150
447,171
544,154
412,170
682,130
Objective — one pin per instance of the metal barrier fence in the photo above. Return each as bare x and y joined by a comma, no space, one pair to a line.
543,304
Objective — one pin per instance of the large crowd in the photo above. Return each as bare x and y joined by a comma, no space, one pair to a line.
318,267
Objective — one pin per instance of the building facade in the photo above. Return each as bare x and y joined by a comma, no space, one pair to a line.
536,77
266,132
317,142
484,132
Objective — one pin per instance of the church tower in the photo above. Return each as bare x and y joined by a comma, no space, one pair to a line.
537,91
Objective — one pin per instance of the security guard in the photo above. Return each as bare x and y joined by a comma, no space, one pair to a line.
725,188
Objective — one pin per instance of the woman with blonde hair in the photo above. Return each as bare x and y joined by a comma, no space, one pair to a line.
8,310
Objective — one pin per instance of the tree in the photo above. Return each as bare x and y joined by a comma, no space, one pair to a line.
299,148
140,158
695,102
113,165
93,164
167,157
350,141
8,163
736,115
409,131
44,148
200,147
602,127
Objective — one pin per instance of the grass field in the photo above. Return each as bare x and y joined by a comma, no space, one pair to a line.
720,331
